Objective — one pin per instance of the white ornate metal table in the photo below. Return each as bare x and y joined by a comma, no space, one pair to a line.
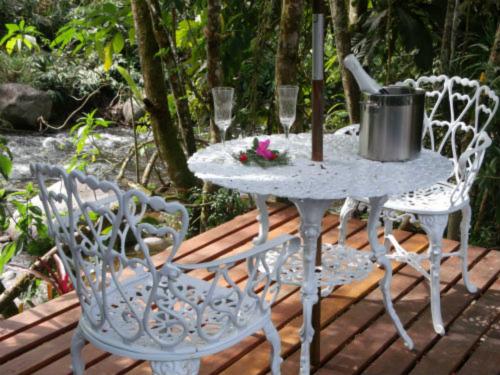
312,186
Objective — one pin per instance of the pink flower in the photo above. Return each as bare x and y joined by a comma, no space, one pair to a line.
262,150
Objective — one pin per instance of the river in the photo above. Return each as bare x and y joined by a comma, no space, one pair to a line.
57,148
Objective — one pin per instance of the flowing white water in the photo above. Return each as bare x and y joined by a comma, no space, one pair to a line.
57,148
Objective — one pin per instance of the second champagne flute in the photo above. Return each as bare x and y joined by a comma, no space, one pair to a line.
287,95
223,106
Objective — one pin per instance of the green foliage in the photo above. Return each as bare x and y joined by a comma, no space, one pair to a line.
223,205
66,75
20,36
102,27
33,236
5,159
393,29
84,133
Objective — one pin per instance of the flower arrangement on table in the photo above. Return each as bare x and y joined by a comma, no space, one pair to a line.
260,154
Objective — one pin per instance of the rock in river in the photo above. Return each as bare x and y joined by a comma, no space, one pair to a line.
21,105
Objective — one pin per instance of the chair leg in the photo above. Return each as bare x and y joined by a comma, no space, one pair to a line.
464,245
187,367
348,208
434,226
273,337
77,344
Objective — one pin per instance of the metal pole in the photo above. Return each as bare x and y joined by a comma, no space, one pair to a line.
317,81
317,147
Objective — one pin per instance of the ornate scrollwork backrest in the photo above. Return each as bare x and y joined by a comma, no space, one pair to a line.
458,111
121,291
95,236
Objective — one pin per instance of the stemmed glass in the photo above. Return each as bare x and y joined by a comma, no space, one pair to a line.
287,95
223,106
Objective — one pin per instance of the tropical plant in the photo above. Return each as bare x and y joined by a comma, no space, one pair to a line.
103,27
84,134
29,224
20,36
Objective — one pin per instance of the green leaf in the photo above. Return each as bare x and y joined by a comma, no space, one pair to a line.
36,210
5,166
132,85
131,36
12,27
10,45
6,254
118,43
108,57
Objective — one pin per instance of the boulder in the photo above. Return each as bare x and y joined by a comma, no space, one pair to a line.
127,111
21,105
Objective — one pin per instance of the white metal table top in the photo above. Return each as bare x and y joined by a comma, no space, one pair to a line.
342,173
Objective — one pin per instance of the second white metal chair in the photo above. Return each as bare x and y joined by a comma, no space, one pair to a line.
459,111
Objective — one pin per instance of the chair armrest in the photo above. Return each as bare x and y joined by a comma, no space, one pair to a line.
482,143
292,244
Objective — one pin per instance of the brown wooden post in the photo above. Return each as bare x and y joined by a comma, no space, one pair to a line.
317,147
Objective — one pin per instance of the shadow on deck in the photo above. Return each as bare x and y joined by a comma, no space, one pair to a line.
357,337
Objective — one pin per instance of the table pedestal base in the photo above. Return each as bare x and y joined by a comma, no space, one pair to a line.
311,214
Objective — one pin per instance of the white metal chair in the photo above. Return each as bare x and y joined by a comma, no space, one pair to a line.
458,110
172,315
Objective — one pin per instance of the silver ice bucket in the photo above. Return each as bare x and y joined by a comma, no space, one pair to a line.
392,124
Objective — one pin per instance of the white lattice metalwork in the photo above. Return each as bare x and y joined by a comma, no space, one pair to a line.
458,112
343,172
130,307
340,265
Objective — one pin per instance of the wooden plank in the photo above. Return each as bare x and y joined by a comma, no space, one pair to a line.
399,360
46,311
450,352
226,229
29,338
366,346
339,301
484,360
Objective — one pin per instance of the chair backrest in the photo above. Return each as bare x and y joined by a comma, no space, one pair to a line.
118,284
458,111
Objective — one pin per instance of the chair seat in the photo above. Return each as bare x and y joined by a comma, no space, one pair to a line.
435,199
180,340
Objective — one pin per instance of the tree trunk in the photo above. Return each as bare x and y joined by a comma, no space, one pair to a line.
287,56
164,41
454,29
446,41
214,69
164,131
356,9
263,30
343,44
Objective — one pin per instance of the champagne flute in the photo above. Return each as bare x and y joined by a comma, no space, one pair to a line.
223,106
287,95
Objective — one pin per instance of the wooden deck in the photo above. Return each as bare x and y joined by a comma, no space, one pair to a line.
357,337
